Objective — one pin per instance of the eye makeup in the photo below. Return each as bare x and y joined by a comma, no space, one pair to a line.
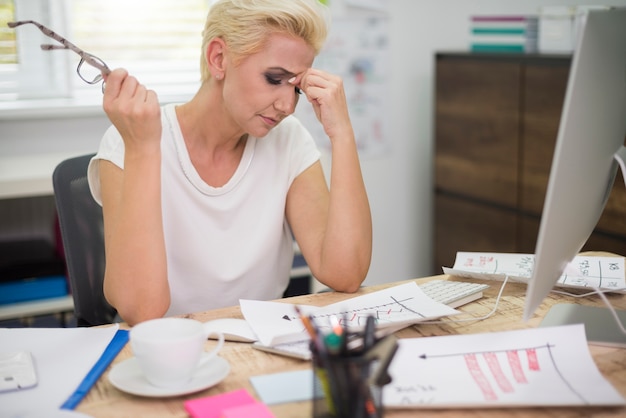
277,76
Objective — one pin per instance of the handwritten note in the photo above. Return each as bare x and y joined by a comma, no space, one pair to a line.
406,304
581,272
535,367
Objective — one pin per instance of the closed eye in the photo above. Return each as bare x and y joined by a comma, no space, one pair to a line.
276,81
273,80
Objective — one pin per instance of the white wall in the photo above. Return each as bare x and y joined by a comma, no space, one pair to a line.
399,182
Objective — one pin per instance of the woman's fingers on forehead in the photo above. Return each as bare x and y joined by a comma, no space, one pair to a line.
303,78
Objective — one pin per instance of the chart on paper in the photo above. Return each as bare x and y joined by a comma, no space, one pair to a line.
276,322
392,311
543,366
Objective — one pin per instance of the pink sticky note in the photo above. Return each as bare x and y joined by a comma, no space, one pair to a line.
256,410
213,406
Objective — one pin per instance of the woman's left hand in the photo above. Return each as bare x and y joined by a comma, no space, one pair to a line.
326,94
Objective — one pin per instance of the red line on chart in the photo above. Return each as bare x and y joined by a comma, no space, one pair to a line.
516,366
479,377
497,372
495,368
533,362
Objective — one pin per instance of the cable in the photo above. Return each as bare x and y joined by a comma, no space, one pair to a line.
493,310
613,312
593,292
598,291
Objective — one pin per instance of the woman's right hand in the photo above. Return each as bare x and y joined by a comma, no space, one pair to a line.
133,109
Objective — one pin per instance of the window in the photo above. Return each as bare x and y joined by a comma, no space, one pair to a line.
158,41
8,49
8,53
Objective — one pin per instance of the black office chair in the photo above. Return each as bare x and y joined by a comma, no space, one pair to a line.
82,233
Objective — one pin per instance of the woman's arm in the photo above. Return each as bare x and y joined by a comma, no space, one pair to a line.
333,228
135,280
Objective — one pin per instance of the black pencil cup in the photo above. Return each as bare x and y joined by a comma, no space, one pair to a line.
342,388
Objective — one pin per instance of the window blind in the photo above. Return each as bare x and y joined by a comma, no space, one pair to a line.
8,49
158,41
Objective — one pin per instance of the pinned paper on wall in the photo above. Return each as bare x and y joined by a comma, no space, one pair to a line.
375,5
357,50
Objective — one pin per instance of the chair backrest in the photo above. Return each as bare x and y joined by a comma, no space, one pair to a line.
82,233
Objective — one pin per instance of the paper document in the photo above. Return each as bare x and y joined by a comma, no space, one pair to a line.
277,323
62,357
581,272
535,367
284,387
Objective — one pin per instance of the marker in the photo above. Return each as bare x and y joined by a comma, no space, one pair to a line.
333,343
335,340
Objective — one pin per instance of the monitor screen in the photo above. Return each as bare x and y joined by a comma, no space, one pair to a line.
589,148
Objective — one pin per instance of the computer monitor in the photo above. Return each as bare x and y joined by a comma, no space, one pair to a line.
589,149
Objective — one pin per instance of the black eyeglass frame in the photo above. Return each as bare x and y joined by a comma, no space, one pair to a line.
85,57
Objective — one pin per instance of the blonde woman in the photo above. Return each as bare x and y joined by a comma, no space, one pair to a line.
202,200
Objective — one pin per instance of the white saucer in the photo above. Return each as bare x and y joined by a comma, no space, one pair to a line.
127,377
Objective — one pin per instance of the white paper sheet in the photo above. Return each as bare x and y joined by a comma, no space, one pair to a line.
276,323
535,367
581,272
62,356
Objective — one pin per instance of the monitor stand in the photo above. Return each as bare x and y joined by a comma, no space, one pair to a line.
600,326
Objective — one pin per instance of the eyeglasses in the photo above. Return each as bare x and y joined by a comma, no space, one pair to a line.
83,71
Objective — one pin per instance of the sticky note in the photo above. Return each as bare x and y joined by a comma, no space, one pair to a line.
284,387
256,410
213,406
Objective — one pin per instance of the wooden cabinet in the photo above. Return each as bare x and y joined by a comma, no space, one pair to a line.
496,123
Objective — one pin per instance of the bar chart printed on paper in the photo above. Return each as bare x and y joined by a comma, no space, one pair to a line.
534,367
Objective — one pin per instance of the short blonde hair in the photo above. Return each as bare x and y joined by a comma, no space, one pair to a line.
244,25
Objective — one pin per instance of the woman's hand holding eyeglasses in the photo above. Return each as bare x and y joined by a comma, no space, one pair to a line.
134,110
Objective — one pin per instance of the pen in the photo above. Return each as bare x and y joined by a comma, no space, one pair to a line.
383,351
366,401
369,334
306,321
320,358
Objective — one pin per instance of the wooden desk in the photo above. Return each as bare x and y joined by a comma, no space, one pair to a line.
106,401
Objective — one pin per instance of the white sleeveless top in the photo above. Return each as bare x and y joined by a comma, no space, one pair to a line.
224,243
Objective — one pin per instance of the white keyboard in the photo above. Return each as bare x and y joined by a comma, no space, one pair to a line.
453,294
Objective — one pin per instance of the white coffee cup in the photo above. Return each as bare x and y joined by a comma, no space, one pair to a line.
169,350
